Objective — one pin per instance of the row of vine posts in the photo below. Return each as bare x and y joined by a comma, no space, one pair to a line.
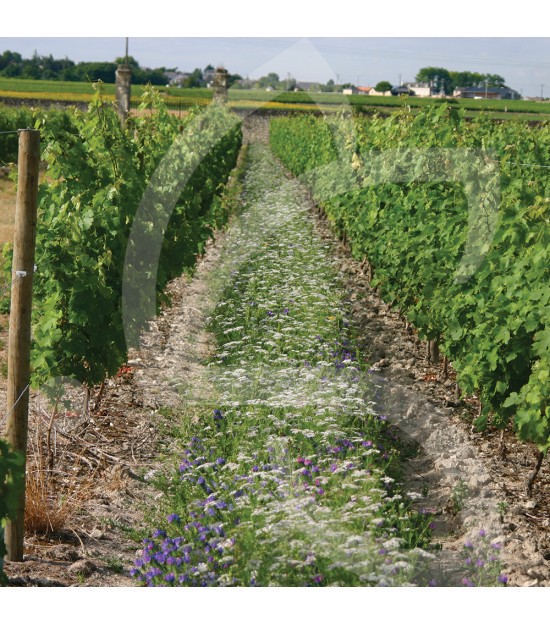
19,341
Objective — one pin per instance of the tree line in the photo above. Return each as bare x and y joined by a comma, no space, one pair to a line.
38,67
447,80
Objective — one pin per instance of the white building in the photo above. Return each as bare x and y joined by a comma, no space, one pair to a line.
421,89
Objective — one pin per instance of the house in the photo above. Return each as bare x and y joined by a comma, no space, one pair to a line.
356,90
208,74
491,93
175,79
402,90
420,89
372,91
306,86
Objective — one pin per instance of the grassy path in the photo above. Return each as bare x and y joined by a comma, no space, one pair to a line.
286,476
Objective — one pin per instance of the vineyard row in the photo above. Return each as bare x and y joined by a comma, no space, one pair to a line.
452,217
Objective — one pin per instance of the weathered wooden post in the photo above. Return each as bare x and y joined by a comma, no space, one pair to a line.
19,342
123,83
220,85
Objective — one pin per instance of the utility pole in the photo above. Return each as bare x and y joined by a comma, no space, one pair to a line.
19,342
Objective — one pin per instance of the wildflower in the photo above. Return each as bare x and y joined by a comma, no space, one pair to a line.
173,518
503,579
482,533
467,582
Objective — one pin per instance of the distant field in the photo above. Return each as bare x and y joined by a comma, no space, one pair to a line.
177,98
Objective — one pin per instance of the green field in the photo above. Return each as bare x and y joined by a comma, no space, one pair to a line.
249,98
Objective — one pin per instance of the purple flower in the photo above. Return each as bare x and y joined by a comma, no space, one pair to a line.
432,583
480,563
220,461
173,518
467,582
159,534
285,311
169,577
482,533
503,579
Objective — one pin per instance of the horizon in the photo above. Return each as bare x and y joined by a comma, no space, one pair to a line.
362,61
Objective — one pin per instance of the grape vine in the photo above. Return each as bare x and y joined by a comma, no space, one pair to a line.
494,323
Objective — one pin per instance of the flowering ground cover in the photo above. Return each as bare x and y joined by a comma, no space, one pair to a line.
287,476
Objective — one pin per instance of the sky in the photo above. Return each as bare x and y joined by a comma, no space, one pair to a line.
353,42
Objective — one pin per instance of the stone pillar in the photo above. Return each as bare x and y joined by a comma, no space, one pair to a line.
123,84
220,85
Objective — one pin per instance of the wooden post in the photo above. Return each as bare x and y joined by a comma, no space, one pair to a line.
220,85
20,319
123,80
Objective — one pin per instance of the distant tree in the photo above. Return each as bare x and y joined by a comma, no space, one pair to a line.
383,86
347,85
209,68
233,79
8,57
195,80
95,71
121,60
271,80
494,80
438,76
466,79
329,87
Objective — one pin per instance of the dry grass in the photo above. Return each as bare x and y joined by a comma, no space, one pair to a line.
53,499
